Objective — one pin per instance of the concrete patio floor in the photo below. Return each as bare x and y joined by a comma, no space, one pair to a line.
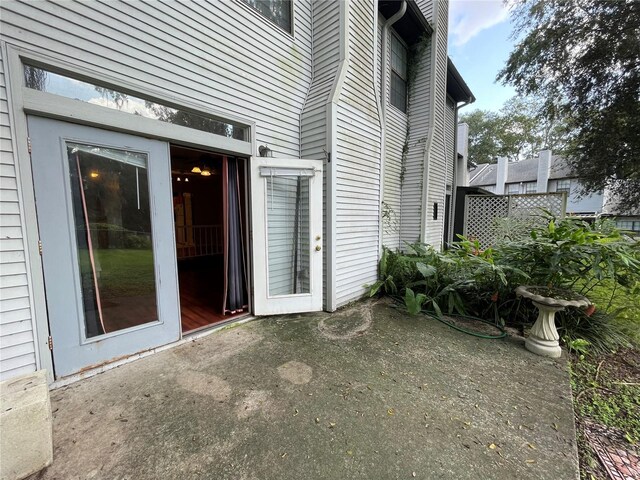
366,393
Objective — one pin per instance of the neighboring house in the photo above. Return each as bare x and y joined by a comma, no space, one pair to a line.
168,166
549,173
542,174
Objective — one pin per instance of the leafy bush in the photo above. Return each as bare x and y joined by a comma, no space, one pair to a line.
595,260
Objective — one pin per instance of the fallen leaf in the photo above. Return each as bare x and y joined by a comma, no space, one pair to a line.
532,447
296,412
317,420
390,411
413,474
492,446
349,452
331,425
530,461
554,426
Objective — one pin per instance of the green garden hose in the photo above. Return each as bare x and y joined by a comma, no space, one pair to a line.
502,333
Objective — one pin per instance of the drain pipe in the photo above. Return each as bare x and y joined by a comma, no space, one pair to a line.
454,173
382,105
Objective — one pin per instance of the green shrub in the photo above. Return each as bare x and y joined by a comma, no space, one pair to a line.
595,260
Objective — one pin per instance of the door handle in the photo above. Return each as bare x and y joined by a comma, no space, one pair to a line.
318,248
317,238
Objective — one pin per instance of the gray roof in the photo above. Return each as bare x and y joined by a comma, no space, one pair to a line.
484,174
522,171
560,168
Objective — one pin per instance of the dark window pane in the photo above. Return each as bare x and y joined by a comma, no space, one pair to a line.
278,11
398,92
398,57
39,79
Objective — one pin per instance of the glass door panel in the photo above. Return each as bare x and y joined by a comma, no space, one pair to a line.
288,235
112,222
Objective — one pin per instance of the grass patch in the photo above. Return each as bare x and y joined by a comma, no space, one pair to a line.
125,272
606,390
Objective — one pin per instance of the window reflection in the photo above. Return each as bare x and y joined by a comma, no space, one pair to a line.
278,11
112,219
45,81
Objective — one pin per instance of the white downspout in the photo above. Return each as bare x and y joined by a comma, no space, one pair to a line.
382,102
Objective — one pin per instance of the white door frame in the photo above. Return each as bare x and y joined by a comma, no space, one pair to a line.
22,101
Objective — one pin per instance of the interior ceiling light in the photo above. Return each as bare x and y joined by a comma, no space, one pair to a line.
94,174
205,172
196,169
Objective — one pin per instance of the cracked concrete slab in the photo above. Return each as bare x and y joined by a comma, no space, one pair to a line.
369,393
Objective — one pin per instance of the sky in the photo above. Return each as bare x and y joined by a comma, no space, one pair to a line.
479,46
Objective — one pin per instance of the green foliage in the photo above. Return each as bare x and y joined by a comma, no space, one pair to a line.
414,302
568,251
592,259
600,331
579,345
606,391
385,283
589,52
519,130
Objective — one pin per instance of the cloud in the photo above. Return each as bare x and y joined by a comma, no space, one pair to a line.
467,18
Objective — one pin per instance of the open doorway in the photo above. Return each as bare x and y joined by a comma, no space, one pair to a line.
210,224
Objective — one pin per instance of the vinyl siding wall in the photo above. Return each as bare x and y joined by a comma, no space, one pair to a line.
438,156
17,347
220,55
357,189
395,135
313,122
412,188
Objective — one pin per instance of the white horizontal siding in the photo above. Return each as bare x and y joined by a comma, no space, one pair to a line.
313,121
357,190
17,348
412,188
395,135
220,54
426,7
438,155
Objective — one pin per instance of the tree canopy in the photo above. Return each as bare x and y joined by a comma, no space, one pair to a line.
583,58
518,130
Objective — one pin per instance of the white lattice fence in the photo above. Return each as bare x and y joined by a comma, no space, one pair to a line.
492,218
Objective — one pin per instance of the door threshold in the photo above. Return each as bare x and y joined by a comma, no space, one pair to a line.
190,336
220,323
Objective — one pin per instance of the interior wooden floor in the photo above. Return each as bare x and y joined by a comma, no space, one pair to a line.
201,292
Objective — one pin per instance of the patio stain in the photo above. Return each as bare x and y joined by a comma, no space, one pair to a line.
297,373
407,395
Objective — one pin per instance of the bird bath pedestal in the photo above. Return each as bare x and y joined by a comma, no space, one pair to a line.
543,338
